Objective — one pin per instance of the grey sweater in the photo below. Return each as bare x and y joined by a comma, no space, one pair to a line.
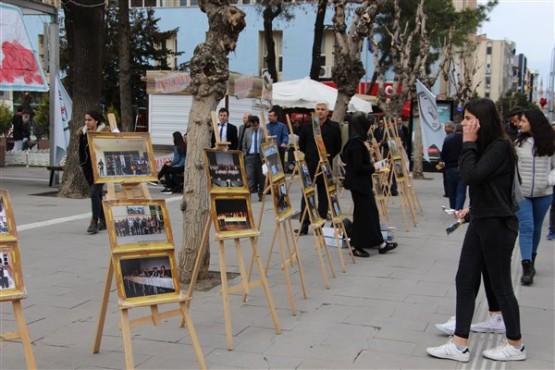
537,173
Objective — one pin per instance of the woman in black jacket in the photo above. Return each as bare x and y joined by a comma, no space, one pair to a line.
487,164
366,232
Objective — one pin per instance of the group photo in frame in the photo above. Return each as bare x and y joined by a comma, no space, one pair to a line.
8,230
398,165
232,216
311,207
273,161
282,202
138,224
11,278
122,157
144,277
226,171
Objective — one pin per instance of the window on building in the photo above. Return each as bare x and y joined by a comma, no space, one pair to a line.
489,50
486,95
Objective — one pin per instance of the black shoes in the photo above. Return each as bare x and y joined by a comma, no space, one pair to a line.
360,253
389,246
93,228
528,272
303,231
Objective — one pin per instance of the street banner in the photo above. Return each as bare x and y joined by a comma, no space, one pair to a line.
20,69
432,130
63,107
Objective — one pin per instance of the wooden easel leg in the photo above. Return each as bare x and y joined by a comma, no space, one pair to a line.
339,246
242,271
297,257
269,253
126,334
265,285
318,248
326,250
103,307
24,334
342,226
225,297
286,270
194,274
194,338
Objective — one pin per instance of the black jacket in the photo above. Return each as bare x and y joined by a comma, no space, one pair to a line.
359,168
331,134
231,137
489,176
451,150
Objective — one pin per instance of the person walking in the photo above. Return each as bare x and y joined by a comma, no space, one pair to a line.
93,122
253,139
450,152
366,231
535,147
487,164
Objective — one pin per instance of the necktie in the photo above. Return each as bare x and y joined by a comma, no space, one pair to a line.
221,130
256,142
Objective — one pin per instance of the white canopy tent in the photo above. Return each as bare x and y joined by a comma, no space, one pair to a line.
306,93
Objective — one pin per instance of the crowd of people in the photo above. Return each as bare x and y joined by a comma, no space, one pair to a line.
132,226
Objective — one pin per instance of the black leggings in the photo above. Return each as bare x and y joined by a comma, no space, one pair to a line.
489,242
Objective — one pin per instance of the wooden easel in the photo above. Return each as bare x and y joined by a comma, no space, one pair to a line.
10,241
245,284
140,191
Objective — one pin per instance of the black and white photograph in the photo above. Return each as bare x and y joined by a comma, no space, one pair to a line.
121,156
147,276
225,170
273,161
138,223
282,203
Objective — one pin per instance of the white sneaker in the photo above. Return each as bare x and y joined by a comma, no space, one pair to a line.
449,351
494,324
447,327
505,352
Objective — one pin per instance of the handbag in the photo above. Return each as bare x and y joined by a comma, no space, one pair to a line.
516,194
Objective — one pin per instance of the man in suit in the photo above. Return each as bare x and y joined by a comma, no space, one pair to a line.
254,137
226,131
331,135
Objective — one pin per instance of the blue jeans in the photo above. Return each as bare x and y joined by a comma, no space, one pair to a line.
456,188
530,219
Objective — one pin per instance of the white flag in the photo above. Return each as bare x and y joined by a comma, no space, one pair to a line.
62,115
432,130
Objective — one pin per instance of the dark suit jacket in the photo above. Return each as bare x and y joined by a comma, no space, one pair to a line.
359,168
331,134
231,137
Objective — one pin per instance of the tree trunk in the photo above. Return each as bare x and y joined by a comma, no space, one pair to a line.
86,25
318,36
269,16
125,94
209,72
348,68
417,166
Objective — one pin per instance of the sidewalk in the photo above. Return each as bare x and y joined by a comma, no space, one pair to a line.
379,314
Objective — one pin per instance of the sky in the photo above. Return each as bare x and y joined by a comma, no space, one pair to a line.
531,25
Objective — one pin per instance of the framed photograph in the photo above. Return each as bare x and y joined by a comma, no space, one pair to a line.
273,161
11,277
316,126
282,202
321,147
335,208
398,167
326,171
134,224
232,216
146,277
122,157
305,175
312,208
8,230
226,171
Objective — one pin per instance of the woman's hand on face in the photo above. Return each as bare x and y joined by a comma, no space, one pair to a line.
471,129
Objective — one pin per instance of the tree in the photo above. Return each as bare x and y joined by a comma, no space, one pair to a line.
318,36
209,74
272,9
124,57
348,68
84,24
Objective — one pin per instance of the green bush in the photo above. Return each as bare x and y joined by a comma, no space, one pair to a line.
42,114
6,115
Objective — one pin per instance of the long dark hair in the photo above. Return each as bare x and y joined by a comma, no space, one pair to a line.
179,142
491,127
541,131
359,125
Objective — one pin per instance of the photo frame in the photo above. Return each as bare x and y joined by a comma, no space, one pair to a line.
226,171
305,175
282,201
335,207
8,229
316,126
146,278
312,208
11,276
232,216
122,157
321,147
398,167
270,153
327,173
377,184
136,224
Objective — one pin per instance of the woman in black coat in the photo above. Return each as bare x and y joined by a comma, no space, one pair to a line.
366,232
